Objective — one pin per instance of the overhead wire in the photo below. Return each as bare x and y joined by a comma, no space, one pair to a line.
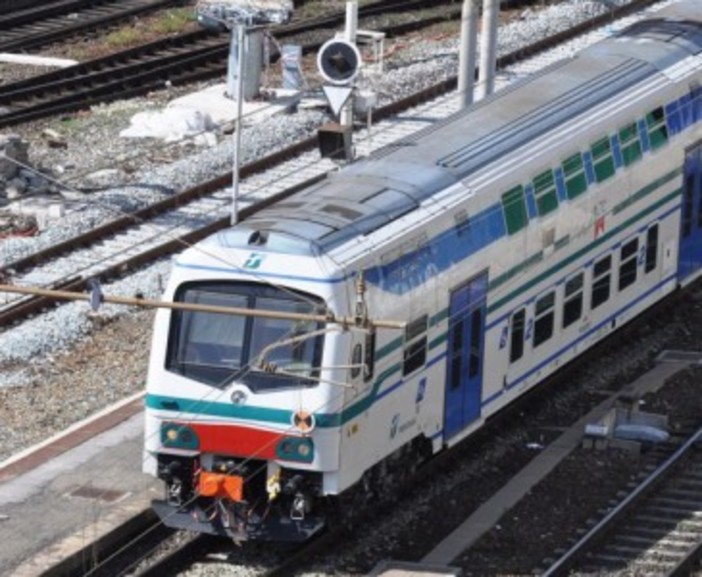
583,229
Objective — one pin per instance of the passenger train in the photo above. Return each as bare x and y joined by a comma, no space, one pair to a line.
507,240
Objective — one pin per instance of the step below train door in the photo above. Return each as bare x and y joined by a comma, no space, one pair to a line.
464,371
691,225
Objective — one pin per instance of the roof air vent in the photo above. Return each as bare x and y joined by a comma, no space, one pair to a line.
258,238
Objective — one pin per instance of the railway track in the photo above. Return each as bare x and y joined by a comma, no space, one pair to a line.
7,6
656,530
114,249
40,23
423,113
182,59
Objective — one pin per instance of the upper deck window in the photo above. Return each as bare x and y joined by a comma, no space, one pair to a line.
657,129
631,146
602,159
218,348
574,172
545,193
514,205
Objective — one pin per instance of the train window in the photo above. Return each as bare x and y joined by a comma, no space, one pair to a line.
356,359
657,129
689,194
514,205
545,193
602,159
415,356
543,320
651,248
517,340
573,300
600,281
456,354
631,146
370,356
476,329
416,327
628,261
574,172
215,348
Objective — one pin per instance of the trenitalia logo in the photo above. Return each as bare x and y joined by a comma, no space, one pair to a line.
254,261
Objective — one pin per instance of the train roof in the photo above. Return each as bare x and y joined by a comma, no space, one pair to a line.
367,195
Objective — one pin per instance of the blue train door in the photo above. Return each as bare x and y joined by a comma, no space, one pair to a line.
691,226
464,371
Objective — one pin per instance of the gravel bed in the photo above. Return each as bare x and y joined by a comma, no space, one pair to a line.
83,361
551,516
32,357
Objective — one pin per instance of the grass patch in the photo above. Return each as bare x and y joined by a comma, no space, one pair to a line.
174,21
122,38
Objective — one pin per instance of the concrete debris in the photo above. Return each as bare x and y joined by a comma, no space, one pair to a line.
14,153
105,178
17,225
54,139
20,181
171,124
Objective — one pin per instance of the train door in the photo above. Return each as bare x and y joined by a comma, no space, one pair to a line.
464,371
691,227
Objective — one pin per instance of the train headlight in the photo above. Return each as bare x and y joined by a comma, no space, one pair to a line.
295,449
178,436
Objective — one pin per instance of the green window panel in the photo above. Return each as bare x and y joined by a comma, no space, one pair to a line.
545,193
514,205
629,141
657,129
602,159
574,173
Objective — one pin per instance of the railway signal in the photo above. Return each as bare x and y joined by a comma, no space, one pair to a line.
339,63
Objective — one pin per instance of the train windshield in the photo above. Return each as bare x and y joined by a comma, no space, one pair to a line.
263,353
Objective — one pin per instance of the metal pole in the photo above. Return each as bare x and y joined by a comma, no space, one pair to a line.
488,48
241,33
469,41
346,116
145,303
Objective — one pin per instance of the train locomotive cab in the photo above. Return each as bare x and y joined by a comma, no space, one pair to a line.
235,401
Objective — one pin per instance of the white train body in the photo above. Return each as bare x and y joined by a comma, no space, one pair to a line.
510,238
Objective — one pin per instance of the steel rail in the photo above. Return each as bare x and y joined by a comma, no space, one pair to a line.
568,560
145,68
18,26
9,6
133,72
51,22
34,305
33,15
427,94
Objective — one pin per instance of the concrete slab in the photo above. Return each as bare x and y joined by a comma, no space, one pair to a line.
36,60
489,514
223,110
45,209
67,502
404,569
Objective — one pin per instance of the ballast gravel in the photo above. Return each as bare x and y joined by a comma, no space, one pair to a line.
70,363
42,358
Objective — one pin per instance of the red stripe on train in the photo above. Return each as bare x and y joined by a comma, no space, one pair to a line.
236,441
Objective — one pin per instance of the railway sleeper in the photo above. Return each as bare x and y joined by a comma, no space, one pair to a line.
669,512
679,502
649,542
